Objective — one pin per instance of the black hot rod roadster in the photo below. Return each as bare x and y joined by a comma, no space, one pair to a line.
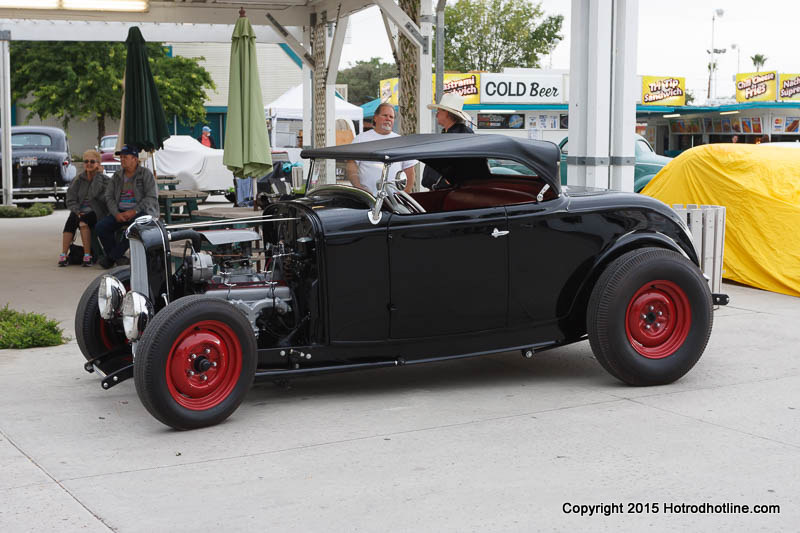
341,279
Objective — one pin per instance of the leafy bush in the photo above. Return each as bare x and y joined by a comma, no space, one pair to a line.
36,210
28,330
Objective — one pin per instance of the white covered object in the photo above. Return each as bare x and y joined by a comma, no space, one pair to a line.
289,106
196,167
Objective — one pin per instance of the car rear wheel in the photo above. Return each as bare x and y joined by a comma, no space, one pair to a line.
94,334
649,317
195,362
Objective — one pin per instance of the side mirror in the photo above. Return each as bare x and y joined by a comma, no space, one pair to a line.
401,180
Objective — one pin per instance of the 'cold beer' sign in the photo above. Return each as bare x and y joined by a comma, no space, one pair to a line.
522,89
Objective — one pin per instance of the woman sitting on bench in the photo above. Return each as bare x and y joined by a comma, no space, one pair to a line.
86,203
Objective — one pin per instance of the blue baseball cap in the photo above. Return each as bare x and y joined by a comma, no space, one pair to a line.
206,128
128,149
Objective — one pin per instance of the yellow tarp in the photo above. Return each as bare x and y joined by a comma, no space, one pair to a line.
760,187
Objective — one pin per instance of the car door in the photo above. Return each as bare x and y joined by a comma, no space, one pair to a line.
448,272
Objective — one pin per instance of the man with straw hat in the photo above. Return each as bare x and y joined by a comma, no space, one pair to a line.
452,118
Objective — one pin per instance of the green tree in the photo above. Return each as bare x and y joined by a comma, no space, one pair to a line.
363,79
491,34
758,61
83,80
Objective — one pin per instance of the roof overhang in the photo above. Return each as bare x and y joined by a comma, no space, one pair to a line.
287,12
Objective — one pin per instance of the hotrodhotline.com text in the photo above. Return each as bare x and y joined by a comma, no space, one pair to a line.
607,509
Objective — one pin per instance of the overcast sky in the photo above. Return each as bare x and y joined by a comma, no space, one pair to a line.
673,38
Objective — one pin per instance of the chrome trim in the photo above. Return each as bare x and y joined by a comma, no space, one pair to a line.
110,294
137,310
139,268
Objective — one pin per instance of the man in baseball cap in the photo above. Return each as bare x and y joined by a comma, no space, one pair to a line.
130,193
206,139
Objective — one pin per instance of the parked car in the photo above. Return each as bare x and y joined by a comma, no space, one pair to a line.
758,185
40,162
498,262
109,161
648,162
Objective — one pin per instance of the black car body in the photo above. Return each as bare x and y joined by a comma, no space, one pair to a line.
40,163
501,261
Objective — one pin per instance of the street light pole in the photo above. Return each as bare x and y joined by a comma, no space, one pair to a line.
712,66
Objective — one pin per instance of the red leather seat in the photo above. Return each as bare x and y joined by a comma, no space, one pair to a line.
478,197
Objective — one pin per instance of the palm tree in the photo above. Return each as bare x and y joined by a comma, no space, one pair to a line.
758,61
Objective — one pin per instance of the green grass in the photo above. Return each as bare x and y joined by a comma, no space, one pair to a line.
21,330
36,210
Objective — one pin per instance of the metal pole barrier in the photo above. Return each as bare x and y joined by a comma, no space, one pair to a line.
5,111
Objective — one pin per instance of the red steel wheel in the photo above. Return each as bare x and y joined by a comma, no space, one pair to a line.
95,335
195,362
649,316
204,365
658,319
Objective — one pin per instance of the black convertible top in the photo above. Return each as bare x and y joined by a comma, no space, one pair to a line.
459,149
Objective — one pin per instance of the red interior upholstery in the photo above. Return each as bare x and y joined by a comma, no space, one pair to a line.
477,197
483,193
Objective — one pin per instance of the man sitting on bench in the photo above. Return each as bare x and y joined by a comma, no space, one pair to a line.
130,193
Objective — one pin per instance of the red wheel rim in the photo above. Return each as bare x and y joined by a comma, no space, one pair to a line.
658,319
204,365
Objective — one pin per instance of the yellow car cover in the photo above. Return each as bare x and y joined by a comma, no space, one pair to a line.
760,187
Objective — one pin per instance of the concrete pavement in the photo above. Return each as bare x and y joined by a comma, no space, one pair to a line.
492,444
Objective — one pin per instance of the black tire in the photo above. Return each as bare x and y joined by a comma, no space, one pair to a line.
649,317
95,335
163,362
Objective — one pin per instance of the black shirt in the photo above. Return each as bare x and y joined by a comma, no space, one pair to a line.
431,178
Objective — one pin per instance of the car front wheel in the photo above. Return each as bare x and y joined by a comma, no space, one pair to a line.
649,317
195,362
95,335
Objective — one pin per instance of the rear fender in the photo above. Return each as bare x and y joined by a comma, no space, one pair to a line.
576,321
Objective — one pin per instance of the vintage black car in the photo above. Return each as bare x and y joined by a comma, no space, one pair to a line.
504,260
40,163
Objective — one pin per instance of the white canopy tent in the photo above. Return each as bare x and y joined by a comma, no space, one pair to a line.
289,106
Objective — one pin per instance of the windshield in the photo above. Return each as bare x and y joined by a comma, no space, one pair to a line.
108,142
642,148
38,140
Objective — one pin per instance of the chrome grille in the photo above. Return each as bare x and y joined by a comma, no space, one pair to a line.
139,268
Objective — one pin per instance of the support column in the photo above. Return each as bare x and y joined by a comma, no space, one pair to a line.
589,99
308,83
603,92
408,99
425,63
625,91
5,119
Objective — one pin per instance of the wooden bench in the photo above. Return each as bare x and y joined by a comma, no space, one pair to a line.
166,183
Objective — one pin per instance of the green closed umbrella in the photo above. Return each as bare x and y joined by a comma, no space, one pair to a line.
247,151
144,124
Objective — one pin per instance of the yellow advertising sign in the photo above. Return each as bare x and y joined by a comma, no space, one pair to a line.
789,88
467,85
663,90
756,87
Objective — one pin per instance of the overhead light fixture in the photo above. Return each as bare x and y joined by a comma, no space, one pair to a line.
79,5
29,4
728,112
673,115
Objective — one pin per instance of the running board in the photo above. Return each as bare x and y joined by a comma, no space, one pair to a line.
310,371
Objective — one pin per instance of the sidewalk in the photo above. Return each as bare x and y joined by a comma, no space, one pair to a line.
490,444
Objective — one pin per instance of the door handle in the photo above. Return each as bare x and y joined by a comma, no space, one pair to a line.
497,233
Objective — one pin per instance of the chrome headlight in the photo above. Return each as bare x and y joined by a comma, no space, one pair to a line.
109,296
137,310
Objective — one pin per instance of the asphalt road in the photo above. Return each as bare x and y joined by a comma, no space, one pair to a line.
492,444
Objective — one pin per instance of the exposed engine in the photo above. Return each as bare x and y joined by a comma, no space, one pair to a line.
268,285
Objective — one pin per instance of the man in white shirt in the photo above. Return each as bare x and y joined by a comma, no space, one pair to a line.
365,174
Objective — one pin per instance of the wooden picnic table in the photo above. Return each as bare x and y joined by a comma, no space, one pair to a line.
167,183
171,203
